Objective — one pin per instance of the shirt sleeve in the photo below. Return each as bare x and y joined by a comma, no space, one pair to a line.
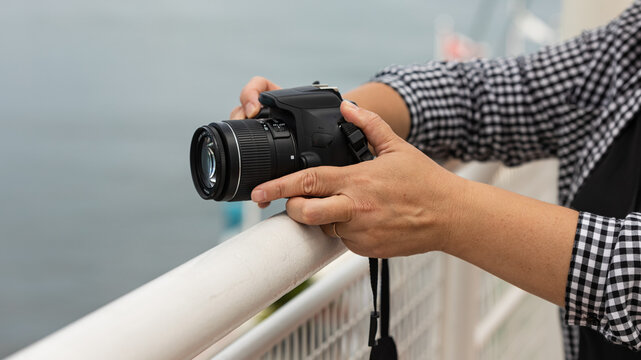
604,281
518,109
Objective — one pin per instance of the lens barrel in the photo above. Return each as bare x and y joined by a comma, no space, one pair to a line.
229,158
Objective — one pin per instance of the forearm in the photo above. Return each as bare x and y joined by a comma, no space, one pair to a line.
384,101
521,240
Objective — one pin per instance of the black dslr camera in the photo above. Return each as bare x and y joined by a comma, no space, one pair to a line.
297,128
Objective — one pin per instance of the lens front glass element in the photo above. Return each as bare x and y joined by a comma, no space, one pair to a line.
207,163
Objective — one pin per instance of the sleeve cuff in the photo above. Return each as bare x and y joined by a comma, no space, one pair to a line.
603,290
593,245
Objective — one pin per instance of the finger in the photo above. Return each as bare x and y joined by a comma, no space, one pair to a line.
264,204
378,133
237,114
319,211
249,94
316,181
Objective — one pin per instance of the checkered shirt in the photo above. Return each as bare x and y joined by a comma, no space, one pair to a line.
567,101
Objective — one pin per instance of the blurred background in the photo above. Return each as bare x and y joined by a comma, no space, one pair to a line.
98,102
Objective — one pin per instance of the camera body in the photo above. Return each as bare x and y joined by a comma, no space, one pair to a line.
297,128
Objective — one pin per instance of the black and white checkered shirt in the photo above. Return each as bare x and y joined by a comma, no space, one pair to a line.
567,101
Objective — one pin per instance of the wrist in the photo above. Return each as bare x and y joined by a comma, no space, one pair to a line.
457,219
519,239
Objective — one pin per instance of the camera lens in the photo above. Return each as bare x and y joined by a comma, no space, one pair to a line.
208,163
229,158
208,158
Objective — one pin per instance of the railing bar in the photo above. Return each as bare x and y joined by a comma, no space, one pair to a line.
499,313
326,330
295,352
332,331
304,339
359,315
316,333
286,352
270,331
339,343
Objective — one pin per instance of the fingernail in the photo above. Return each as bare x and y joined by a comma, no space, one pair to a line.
249,109
350,104
259,196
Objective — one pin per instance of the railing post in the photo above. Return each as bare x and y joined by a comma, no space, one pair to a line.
460,305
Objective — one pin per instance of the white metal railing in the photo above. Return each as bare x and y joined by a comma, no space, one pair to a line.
441,308
182,313
331,319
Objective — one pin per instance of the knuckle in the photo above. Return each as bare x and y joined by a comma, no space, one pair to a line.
280,189
235,112
372,118
349,210
369,120
308,214
256,78
255,85
310,182
377,127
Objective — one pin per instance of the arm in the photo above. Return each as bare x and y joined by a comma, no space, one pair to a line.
529,243
532,245
519,239
522,240
518,109
513,109
508,109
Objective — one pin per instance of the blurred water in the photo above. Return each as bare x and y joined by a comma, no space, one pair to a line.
98,101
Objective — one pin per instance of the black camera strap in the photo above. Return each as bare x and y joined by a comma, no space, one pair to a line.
384,347
356,140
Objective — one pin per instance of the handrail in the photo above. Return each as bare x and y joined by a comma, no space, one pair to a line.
271,330
505,307
183,312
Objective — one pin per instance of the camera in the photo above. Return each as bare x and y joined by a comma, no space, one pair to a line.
296,128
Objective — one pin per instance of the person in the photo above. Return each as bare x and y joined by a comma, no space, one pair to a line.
577,101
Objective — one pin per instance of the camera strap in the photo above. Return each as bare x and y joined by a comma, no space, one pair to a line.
384,347
356,140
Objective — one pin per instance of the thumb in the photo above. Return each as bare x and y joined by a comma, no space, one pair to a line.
379,134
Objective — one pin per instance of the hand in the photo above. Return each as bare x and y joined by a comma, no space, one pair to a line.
400,203
249,105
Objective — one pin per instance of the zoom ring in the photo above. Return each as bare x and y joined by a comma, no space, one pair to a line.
255,153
